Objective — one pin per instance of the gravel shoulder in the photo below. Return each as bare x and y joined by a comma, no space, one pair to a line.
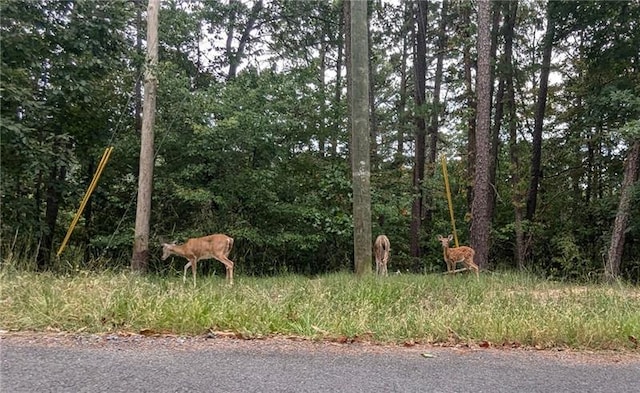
140,342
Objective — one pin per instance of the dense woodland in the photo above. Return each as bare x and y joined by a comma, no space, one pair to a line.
252,132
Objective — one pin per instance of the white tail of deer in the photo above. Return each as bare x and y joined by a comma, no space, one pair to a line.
381,249
207,247
462,254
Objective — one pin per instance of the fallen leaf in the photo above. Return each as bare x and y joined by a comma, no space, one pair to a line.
148,332
484,344
428,355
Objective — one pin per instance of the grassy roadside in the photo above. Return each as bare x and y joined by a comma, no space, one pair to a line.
499,309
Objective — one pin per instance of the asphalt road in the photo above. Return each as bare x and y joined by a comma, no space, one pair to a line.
138,364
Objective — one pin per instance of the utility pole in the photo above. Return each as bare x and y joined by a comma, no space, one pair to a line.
140,258
360,144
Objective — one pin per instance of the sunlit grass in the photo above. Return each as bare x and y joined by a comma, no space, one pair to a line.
499,309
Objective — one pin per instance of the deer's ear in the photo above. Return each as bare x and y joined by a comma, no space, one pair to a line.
439,237
450,237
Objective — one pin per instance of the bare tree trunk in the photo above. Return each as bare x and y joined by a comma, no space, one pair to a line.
235,56
517,195
360,143
481,220
138,84
499,108
88,216
536,155
53,198
322,127
435,114
420,67
402,102
435,107
140,259
338,90
373,126
347,59
471,103
631,173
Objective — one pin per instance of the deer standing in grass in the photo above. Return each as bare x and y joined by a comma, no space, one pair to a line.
462,254
213,246
381,249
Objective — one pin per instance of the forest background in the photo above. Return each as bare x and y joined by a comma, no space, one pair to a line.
252,133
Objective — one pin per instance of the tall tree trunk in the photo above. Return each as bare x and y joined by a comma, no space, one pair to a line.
140,258
360,143
322,127
88,213
499,108
436,110
53,199
536,154
372,105
471,102
347,59
631,173
402,101
481,220
435,107
138,84
518,197
420,67
236,55
338,87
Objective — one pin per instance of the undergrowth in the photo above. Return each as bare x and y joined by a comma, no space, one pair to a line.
499,309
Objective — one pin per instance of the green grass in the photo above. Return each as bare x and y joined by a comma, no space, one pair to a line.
510,309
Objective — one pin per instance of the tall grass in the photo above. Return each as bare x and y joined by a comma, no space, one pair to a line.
499,308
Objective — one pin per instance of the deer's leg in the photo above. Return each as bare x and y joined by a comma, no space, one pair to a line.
474,267
193,270
449,267
228,264
184,276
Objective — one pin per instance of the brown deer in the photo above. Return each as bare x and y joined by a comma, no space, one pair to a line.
455,255
381,249
213,246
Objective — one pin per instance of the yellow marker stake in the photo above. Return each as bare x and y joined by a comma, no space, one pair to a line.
446,185
85,199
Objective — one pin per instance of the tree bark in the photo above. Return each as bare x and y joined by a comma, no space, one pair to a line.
481,220
347,60
140,259
536,154
360,143
517,195
138,84
499,107
420,67
402,102
631,173
471,103
53,198
339,86
436,110
373,125
437,85
235,56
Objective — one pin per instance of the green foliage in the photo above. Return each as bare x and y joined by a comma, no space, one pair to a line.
264,156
